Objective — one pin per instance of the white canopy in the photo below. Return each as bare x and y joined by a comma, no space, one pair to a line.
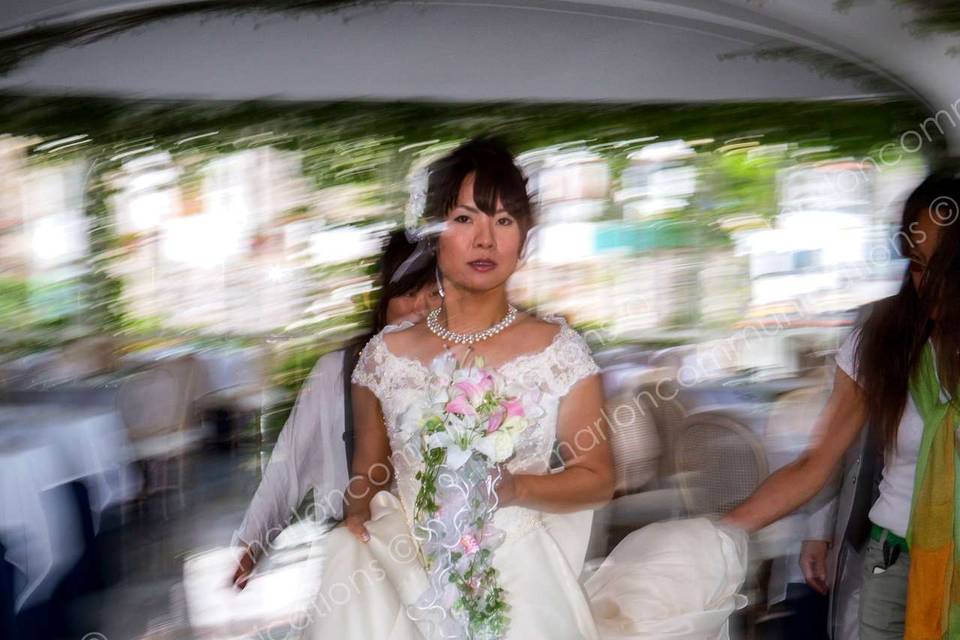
584,50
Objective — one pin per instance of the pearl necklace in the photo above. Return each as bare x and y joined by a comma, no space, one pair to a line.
433,323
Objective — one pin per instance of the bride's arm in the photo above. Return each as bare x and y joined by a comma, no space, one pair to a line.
372,471
587,480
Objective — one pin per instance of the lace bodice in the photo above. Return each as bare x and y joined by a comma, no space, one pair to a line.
400,383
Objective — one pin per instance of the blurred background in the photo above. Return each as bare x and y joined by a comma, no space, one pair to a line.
193,196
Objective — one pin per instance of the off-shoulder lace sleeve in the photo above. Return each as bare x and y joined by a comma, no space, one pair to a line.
569,361
369,367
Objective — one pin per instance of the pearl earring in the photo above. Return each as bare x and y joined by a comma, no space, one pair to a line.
439,281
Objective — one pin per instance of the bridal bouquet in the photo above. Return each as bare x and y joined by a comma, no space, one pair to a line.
466,428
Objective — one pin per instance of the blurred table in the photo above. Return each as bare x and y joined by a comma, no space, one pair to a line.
40,530
42,448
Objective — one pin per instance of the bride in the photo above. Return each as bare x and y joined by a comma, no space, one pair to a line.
378,574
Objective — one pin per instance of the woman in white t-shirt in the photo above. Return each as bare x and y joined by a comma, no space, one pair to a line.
879,372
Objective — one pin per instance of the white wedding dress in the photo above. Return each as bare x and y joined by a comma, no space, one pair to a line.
672,580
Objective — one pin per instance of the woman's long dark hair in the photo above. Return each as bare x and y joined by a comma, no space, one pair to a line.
397,251
395,254
896,329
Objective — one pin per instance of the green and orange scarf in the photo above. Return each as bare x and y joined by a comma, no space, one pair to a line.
933,537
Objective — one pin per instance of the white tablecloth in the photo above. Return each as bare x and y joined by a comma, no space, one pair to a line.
43,447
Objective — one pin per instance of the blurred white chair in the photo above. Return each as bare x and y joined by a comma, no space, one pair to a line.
157,408
634,443
641,434
649,396
236,380
83,358
788,433
232,375
669,417
719,462
789,429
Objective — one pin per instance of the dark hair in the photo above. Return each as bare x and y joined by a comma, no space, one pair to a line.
396,252
897,328
496,176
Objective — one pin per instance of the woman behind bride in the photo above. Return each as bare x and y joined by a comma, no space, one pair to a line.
375,578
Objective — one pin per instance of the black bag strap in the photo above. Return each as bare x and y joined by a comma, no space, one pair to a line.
351,355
